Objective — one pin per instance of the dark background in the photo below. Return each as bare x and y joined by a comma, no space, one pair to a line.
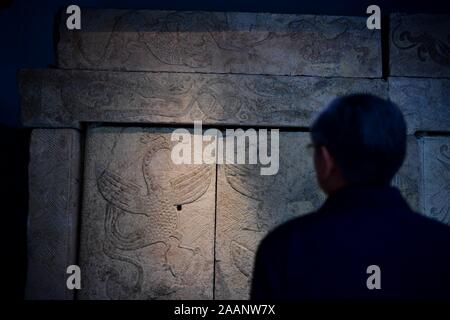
27,35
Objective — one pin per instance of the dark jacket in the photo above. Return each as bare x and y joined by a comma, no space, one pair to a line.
325,255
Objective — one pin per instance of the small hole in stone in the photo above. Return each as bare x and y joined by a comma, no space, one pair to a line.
179,207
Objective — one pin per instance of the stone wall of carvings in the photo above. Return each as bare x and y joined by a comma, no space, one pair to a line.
153,230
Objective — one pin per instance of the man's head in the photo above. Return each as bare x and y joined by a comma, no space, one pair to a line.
358,139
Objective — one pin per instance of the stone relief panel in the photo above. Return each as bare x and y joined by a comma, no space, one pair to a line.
147,224
54,177
250,204
407,179
425,102
419,45
64,98
218,42
436,177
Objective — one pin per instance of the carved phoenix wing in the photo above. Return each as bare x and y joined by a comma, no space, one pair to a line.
191,186
124,194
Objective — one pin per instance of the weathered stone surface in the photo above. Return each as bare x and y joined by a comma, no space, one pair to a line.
408,177
147,224
424,102
249,205
65,98
215,42
420,45
436,177
54,176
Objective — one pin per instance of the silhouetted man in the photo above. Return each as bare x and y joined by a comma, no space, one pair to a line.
365,241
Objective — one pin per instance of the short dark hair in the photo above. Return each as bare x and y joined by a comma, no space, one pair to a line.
366,135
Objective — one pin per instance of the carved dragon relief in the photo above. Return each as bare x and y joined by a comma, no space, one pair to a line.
154,209
191,39
183,44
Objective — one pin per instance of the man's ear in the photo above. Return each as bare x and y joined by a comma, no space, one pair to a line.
327,162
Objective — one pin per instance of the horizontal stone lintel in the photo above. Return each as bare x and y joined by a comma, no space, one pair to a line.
65,98
219,42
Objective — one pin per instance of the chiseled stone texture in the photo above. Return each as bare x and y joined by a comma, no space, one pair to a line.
249,205
64,98
407,178
425,102
147,224
436,177
54,177
217,42
420,45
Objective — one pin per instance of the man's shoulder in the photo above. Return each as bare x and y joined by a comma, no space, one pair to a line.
291,230
436,230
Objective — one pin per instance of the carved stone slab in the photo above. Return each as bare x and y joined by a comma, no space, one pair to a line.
217,42
420,45
65,98
249,205
425,102
436,177
147,224
407,179
54,176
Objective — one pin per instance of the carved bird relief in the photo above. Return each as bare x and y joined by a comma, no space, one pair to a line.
156,205
158,202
